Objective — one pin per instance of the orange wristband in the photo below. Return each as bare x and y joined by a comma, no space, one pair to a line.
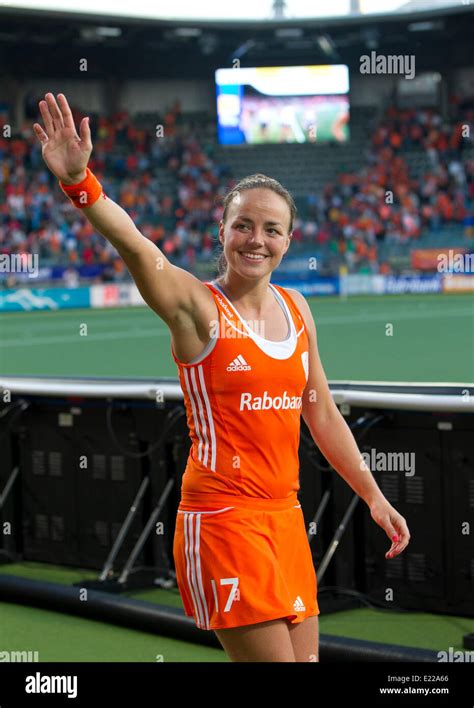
85,193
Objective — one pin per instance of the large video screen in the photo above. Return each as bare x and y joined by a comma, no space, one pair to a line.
283,104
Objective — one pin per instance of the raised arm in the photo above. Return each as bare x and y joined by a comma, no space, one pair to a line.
170,291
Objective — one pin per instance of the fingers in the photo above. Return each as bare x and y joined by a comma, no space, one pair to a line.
55,112
56,117
48,121
402,534
394,526
66,111
43,138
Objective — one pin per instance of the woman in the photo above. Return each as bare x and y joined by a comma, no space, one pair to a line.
249,366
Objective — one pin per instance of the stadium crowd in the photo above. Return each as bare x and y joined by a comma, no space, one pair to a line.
378,202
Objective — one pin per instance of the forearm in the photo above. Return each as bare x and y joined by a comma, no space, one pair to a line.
160,283
112,221
336,441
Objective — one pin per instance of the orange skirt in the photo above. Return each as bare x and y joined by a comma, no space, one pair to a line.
240,561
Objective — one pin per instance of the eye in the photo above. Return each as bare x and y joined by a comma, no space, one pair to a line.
274,230
242,226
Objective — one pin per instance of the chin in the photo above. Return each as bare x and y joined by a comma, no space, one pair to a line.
252,271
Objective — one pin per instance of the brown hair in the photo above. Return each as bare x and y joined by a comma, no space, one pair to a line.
256,181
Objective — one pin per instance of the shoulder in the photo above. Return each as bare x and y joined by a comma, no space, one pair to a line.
302,304
299,299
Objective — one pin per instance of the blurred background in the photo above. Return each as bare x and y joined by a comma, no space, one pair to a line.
365,112
378,156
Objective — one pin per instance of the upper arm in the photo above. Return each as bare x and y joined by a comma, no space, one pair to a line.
317,399
173,293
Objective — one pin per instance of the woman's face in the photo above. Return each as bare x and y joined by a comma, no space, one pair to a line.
257,223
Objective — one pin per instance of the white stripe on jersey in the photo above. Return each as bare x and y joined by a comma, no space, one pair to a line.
195,417
201,415
198,568
190,571
209,417
199,399
193,568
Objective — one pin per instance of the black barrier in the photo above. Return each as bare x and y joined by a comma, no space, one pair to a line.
10,501
169,621
60,512
432,486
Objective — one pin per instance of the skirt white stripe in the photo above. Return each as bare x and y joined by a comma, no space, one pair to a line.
193,567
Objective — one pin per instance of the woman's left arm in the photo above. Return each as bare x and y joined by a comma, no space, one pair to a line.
334,438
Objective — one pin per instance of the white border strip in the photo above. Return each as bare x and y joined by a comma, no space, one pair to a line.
456,402
98,388
405,401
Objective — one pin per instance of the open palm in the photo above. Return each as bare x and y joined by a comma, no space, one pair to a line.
65,152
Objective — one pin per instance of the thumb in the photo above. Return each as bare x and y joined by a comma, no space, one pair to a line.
391,531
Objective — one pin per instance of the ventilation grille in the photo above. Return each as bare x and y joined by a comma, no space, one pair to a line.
115,471
106,532
415,490
37,462
49,528
54,466
389,483
117,468
417,567
98,467
394,568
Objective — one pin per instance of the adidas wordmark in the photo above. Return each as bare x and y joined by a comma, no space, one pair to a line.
239,364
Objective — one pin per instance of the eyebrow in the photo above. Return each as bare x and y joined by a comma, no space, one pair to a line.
267,223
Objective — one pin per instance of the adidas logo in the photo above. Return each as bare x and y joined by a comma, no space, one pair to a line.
299,605
239,364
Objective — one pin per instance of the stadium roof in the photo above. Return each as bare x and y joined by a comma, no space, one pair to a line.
209,10
35,43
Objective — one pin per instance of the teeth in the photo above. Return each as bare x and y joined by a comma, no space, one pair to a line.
254,256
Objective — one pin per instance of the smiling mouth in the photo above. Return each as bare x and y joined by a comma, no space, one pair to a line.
253,256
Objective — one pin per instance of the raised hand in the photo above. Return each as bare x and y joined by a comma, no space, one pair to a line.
65,152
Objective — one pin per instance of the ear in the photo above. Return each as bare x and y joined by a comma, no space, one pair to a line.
289,241
221,232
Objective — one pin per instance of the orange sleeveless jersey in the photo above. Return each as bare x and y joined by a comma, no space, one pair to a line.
243,400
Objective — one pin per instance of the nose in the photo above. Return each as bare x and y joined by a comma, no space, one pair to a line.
256,235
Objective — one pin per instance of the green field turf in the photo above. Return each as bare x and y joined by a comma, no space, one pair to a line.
432,341
59,637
